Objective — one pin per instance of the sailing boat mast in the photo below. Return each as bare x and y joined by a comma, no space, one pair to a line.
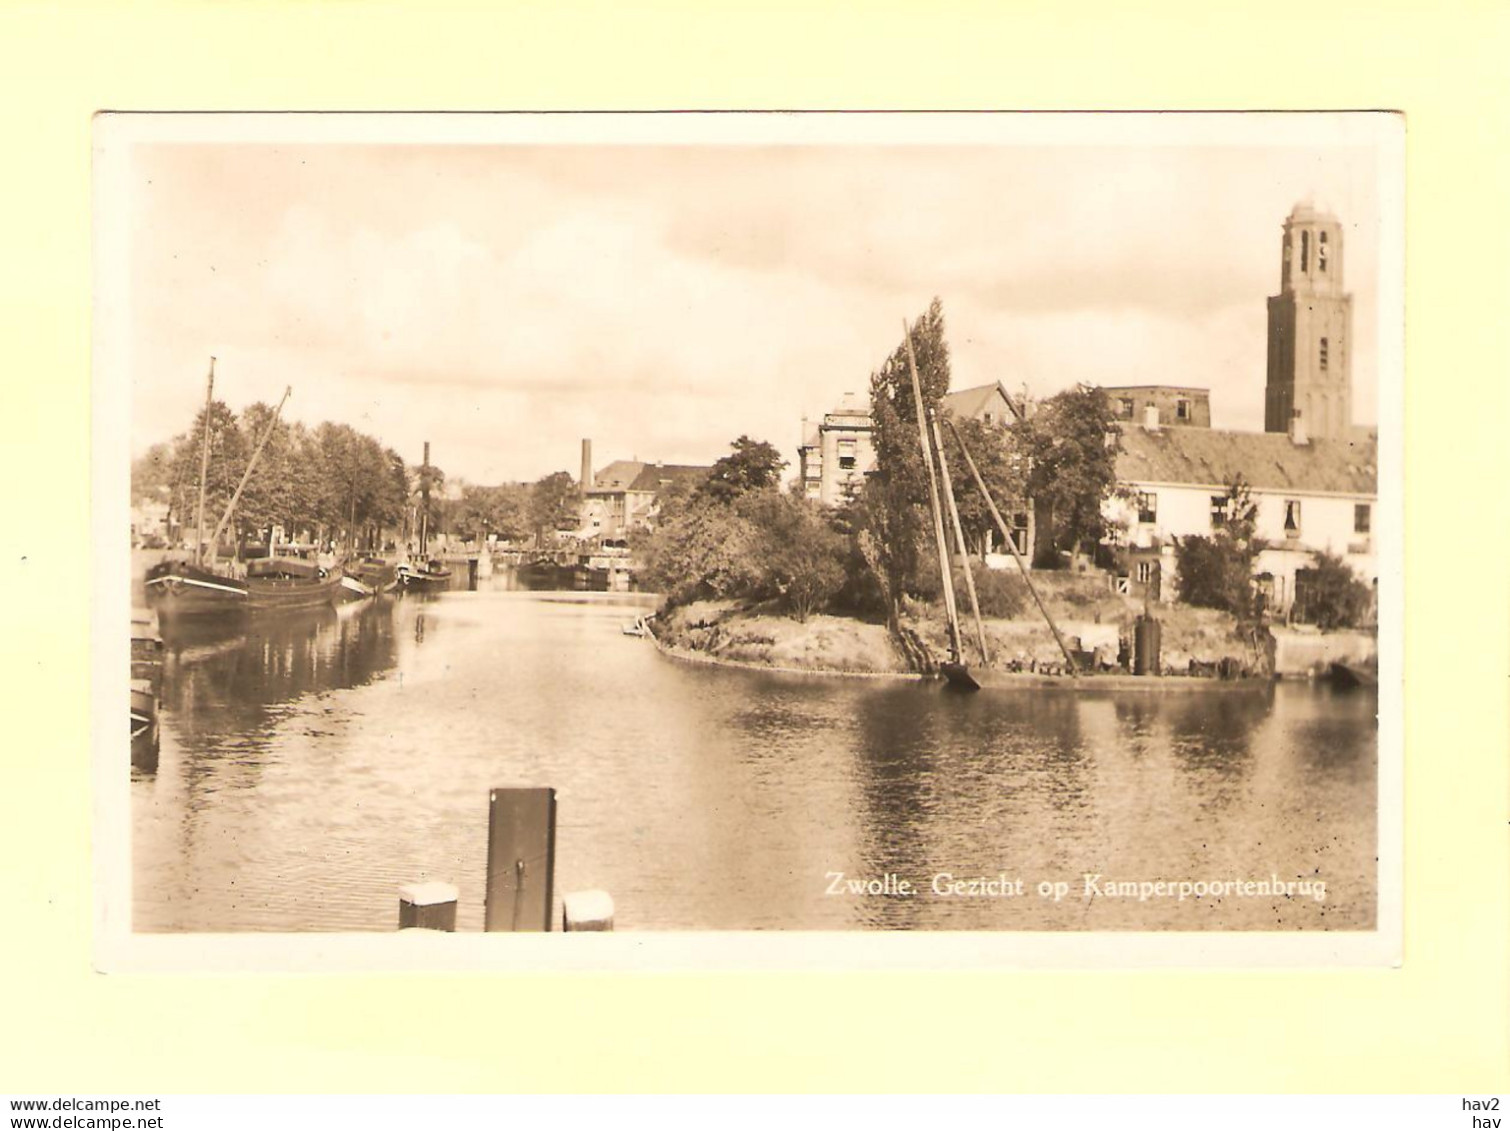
946,580
1022,566
424,503
204,466
959,537
252,463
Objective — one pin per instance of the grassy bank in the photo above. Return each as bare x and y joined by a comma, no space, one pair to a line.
1085,610
731,631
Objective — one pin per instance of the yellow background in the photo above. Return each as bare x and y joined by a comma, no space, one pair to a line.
1437,1024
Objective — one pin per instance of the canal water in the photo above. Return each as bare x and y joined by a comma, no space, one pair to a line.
311,765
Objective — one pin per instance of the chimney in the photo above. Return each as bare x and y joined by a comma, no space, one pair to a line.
586,481
1298,435
1151,417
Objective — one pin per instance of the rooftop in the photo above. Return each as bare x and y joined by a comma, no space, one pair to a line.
1266,460
968,404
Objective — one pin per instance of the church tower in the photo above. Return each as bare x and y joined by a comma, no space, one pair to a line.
1310,332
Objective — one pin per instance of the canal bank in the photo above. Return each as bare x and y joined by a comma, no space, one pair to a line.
312,765
739,634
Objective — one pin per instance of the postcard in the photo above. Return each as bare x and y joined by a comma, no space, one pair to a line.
748,540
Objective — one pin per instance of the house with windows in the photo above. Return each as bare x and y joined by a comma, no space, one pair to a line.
838,451
1312,495
1177,405
625,496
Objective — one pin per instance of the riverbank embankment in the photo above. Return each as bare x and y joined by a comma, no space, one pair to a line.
1092,620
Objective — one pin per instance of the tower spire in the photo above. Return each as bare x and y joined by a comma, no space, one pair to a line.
1310,330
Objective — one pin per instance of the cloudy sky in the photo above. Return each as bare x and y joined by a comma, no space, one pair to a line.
503,301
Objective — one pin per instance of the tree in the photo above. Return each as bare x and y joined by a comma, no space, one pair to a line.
800,557
753,465
227,460
152,475
1217,572
706,550
1071,444
898,525
1330,596
1001,465
554,503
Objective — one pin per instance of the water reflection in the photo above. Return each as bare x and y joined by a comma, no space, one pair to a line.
341,754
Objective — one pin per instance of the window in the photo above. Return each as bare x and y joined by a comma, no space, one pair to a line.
1182,410
1305,252
847,459
1145,571
1218,511
1321,252
1292,518
1125,407
1362,518
1148,507
1323,354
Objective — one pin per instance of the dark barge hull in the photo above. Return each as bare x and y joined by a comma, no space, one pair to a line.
179,590
425,581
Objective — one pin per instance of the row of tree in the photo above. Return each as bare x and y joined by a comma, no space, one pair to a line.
332,482
329,481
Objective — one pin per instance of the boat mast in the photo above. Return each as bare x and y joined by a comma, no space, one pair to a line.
959,536
424,503
252,463
1012,545
945,578
204,465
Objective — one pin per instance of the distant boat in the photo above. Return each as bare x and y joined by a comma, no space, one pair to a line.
180,588
353,589
376,574
433,577
271,585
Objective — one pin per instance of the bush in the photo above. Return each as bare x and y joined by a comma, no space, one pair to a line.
761,545
1214,575
1329,595
1002,594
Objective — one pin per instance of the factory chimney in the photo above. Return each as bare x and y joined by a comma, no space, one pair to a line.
586,481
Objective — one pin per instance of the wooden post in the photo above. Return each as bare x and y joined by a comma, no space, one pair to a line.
521,859
1012,545
431,905
946,579
587,911
959,540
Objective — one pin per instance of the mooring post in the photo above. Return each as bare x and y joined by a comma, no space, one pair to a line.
587,911
431,905
521,859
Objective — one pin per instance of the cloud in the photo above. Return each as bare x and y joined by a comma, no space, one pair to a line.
503,303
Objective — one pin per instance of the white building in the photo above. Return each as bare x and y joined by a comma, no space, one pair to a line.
1312,495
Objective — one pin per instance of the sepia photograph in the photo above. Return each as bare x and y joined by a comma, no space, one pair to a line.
834,526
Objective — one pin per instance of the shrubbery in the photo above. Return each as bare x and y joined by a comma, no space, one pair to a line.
1329,595
761,545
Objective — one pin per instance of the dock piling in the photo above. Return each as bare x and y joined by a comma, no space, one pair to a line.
587,911
428,905
521,859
